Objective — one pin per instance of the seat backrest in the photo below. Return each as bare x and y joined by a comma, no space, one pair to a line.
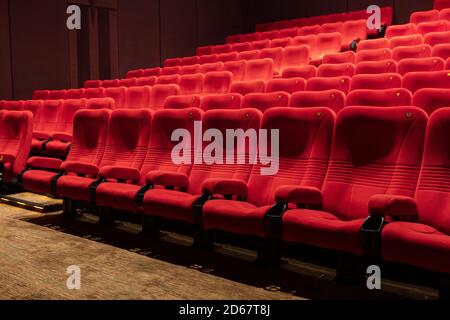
276,54
376,81
424,16
400,30
332,27
309,30
172,62
201,51
224,48
405,41
182,102
260,69
192,83
286,85
305,72
420,64
249,55
289,32
167,71
94,93
235,38
421,51
237,69
66,114
146,81
319,84
432,99
435,38
238,47
189,61
93,83
396,97
132,74
226,57
414,81
281,43
57,94
373,55
160,94
13,105
40,94
249,37
75,94
138,97
48,116
217,82
354,30
195,68
208,58
376,150
265,101
260,44
326,43
336,70
441,4
100,103
151,72
332,99
273,34
373,44
221,101
296,56
308,40
170,79
110,83
119,94
337,58
305,143
246,87
441,50
211,67
35,107
376,67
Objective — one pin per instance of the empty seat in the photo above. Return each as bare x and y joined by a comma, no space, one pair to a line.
429,27
447,63
40,94
424,16
221,101
269,35
445,14
237,69
146,81
373,44
138,97
249,37
400,30
226,57
376,67
182,102
177,204
119,94
246,87
192,84
404,41
224,48
248,55
172,62
151,72
94,93
286,85
133,74
289,32
217,82
234,38
373,55
414,81
167,71
276,54
110,83
305,72
172,79
260,69
441,50
265,101
320,84
211,67
124,153
13,105
304,40
420,64
189,61
396,97
431,99
296,56
376,81
336,70
332,27
208,58
130,82
260,44
35,107
281,43
45,124
205,50
332,99
195,68
57,94
303,162
160,93
435,38
343,57
376,151
309,30
100,103
93,83
441,4
326,43
353,32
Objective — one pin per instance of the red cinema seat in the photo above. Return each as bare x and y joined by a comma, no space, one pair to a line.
172,79
45,124
396,97
304,40
281,43
290,86
237,69
182,102
332,99
178,204
265,101
435,38
16,129
309,30
260,44
303,163
354,31
224,48
276,54
239,47
205,50
189,61
35,107
289,32
445,14
420,236
57,94
320,84
269,35
146,81
132,74
376,81
119,94
429,27
441,4
234,38
249,55
420,64
217,82
172,62
94,93
373,44
373,55
158,161
260,69
326,43
75,94
249,37
192,84
447,63
305,72
400,30
375,151
332,27
441,50
195,68
160,94
13,105
221,101
110,83
246,87
40,94
226,57
343,57
405,41
211,67
296,56
336,70
432,99
424,16
151,72
414,81
208,58
124,153
93,83
376,67
100,103
138,97
168,71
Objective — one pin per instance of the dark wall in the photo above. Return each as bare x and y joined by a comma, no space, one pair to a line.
5,57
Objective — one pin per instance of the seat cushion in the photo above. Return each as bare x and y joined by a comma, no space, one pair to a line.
119,196
57,148
322,229
235,216
37,145
38,181
170,204
416,244
74,187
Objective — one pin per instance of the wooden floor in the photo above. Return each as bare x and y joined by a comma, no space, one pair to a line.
118,263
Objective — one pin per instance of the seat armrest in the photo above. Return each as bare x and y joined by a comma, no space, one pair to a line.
44,163
7,158
393,206
230,187
299,195
64,137
80,168
167,179
41,135
120,173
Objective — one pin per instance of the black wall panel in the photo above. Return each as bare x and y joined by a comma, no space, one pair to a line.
5,58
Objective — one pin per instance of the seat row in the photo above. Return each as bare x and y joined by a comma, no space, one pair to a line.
338,178
430,16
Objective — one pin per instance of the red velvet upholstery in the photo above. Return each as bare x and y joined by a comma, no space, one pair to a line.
373,44
191,83
396,97
45,124
182,102
320,84
160,94
209,58
221,101
138,97
405,41
119,94
435,38
336,70
249,55
211,67
246,87
333,99
373,55
237,69
259,69
421,51
286,85
217,82
432,99
265,101
376,67
376,81
326,43
169,79
230,56
146,81
305,72
338,58
400,30
420,64
414,81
